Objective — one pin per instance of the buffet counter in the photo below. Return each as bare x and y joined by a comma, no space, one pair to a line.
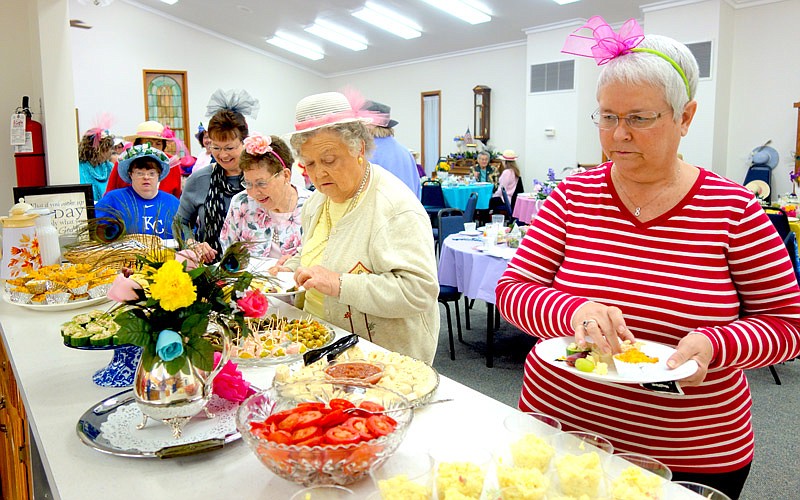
56,386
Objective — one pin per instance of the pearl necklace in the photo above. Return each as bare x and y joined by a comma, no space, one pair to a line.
326,208
638,209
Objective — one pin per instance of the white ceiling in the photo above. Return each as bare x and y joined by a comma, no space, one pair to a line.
249,21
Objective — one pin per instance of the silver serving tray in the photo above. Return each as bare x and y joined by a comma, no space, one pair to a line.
88,429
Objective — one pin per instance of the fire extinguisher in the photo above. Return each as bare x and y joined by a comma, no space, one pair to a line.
30,156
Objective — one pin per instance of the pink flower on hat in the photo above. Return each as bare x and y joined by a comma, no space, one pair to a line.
257,144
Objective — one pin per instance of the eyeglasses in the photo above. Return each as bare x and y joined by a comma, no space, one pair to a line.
642,120
259,184
227,149
143,174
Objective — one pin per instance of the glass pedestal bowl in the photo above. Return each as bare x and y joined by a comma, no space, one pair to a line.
340,464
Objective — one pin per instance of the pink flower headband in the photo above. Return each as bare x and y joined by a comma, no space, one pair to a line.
257,144
605,45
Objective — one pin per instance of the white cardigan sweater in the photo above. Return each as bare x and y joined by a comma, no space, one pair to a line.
384,249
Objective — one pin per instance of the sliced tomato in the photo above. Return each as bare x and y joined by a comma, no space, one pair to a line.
305,433
370,406
359,426
314,441
340,404
341,435
379,425
334,418
290,422
311,405
280,437
278,417
307,418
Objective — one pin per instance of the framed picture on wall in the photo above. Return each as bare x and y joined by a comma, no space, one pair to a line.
166,101
71,204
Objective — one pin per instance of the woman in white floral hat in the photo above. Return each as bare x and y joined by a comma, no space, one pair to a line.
367,262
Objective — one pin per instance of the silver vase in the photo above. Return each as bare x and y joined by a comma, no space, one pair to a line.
175,399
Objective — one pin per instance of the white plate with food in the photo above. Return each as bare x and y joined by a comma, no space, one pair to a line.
654,369
284,285
75,304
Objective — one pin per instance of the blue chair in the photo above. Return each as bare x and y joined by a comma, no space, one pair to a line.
469,210
451,221
509,211
432,197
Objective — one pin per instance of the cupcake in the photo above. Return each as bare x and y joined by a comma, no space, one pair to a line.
20,296
37,286
99,290
57,297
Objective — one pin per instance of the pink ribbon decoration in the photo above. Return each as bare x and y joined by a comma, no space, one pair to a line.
604,44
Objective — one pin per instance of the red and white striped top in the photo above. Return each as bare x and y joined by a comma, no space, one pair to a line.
713,264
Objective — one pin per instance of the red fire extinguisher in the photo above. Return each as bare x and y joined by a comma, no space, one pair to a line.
30,156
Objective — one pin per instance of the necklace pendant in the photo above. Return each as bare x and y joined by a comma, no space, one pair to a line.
637,211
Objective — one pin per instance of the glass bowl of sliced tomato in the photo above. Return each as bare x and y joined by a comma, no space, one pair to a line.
324,432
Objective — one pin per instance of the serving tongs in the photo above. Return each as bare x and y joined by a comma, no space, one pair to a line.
332,350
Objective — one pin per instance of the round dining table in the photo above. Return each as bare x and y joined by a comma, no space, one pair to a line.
475,270
456,196
526,207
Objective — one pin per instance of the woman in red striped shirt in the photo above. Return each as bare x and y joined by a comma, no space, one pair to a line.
652,248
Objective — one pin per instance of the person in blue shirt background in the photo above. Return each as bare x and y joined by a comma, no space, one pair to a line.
141,206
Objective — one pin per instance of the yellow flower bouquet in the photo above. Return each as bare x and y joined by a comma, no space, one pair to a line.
166,304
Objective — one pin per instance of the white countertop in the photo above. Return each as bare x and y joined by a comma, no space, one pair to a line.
57,388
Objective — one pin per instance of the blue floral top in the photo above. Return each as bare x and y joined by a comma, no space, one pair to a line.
247,220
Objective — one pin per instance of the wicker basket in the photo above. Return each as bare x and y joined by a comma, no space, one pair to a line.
119,254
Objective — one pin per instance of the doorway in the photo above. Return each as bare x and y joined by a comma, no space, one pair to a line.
431,129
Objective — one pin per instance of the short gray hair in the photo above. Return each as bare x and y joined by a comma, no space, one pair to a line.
484,153
352,134
637,68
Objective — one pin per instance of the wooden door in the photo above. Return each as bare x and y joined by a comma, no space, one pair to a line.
15,476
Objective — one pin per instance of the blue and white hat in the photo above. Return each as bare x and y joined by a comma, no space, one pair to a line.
142,151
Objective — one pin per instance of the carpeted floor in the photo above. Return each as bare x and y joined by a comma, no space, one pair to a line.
775,474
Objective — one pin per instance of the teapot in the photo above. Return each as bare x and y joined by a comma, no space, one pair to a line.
21,252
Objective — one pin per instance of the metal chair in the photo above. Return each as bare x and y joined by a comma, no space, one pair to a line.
469,210
451,221
432,197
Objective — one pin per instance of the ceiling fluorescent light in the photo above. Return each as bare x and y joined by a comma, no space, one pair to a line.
297,45
338,35
565,2
388,20
170,2
466,10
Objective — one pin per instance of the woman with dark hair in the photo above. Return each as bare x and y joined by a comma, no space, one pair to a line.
267,213
204,159
208,191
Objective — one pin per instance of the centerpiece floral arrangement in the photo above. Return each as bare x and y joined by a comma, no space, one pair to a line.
443,166
168,300
543,189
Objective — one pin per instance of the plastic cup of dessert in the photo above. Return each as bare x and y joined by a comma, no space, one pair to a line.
704,491
647,463
460,468
579,442
406,474
324,492
579,467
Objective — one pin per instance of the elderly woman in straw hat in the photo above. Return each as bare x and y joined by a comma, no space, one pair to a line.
367,262
157,136
208,191
650,248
